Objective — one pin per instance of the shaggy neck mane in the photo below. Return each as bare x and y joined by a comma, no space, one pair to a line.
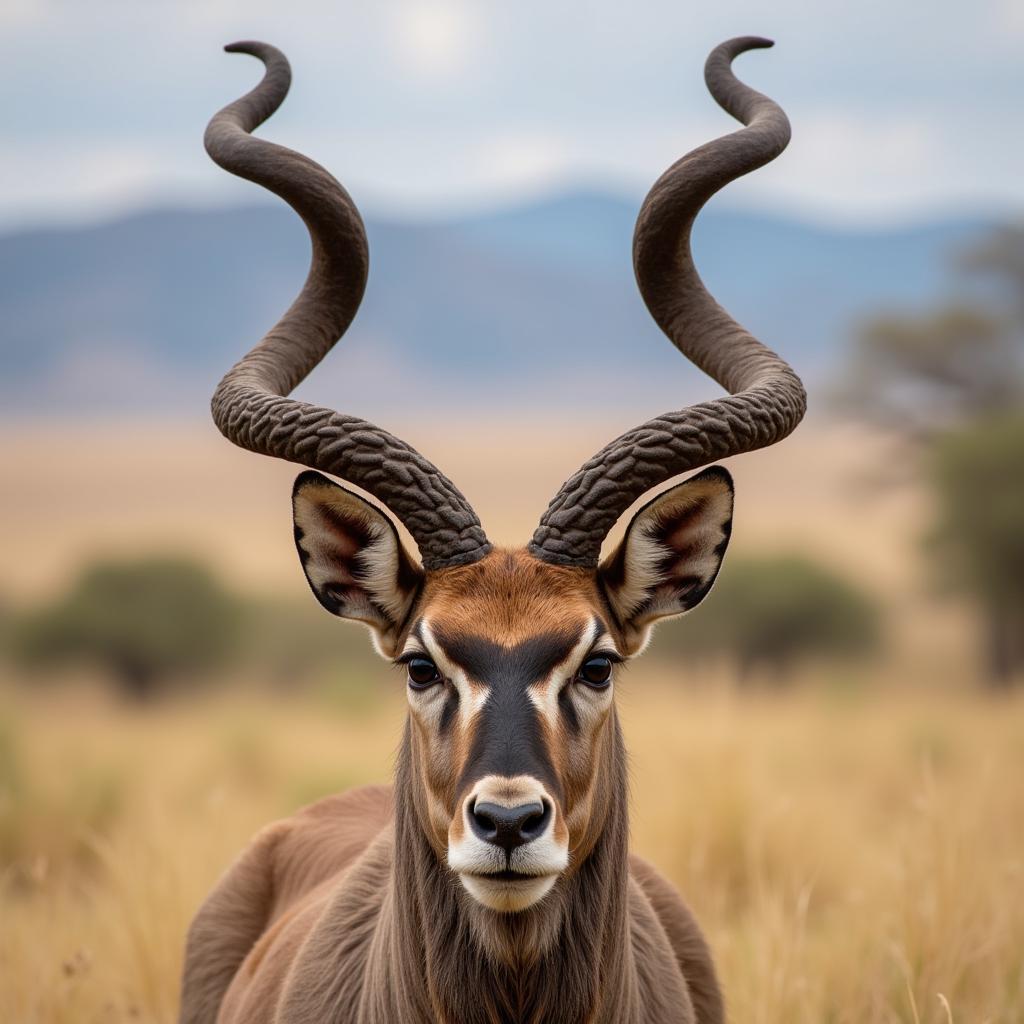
567,959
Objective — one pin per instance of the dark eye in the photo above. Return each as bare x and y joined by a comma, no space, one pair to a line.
423,673
596,672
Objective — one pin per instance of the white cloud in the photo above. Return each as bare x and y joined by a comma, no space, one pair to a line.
21,14
49,181
841,165
859,161
520,158
1009,16
895,163
435,38
435,103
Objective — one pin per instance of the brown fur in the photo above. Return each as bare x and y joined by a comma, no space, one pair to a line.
338,927
516,595
347,913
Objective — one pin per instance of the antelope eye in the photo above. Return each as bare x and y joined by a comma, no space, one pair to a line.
423,673
596,672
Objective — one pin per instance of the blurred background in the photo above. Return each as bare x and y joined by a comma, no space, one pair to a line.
838,732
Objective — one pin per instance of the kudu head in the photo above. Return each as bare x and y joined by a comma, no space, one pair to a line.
510,654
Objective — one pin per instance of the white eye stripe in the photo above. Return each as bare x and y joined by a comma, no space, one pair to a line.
448,668
472,696
425,646
544,694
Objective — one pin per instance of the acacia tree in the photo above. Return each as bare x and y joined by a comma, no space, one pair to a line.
951,383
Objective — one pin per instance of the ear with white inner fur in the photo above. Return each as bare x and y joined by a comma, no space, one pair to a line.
670,555
353,558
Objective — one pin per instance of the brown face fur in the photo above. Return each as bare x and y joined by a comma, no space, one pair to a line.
505,719
508,635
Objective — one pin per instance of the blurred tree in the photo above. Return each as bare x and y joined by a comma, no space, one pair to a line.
7,619
768,614
978,476
999,260
143,621
952,383
288,640
917,375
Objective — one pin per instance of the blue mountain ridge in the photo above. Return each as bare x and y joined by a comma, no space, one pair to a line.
516,307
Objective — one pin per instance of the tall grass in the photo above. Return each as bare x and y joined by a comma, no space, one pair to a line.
852,858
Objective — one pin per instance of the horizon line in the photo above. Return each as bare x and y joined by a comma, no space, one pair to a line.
853,221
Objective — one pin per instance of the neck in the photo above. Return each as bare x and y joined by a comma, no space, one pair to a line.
567,959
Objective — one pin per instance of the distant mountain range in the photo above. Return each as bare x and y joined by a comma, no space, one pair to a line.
525,307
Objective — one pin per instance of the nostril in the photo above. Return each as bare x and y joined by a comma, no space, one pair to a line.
533,826
484,824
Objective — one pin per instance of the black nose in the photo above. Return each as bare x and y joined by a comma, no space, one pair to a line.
509,827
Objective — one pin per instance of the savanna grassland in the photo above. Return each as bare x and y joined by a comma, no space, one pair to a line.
853,859
853,843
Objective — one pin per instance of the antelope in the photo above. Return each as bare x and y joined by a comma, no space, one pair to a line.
493,882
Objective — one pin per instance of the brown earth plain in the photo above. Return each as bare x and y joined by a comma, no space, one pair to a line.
853,842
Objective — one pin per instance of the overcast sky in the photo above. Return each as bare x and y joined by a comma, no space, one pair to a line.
900,109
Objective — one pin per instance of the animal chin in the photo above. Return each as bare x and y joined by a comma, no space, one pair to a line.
504,883
507,891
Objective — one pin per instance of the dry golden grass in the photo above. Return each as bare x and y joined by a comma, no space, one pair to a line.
855,859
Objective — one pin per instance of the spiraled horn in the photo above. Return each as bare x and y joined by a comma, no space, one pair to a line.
249,405
767,400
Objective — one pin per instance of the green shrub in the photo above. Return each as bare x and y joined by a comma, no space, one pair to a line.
768,614
142,621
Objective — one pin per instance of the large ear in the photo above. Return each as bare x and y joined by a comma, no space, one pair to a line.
670,555
353,558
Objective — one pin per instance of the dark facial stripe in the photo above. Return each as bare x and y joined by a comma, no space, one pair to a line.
508,738
568,711
451,705
529,661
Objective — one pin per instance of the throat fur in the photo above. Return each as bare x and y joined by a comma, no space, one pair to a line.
568,960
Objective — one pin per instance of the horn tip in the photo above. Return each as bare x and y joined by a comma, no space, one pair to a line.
250,46
743,43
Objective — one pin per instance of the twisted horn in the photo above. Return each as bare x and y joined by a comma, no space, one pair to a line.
767,399
249,405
